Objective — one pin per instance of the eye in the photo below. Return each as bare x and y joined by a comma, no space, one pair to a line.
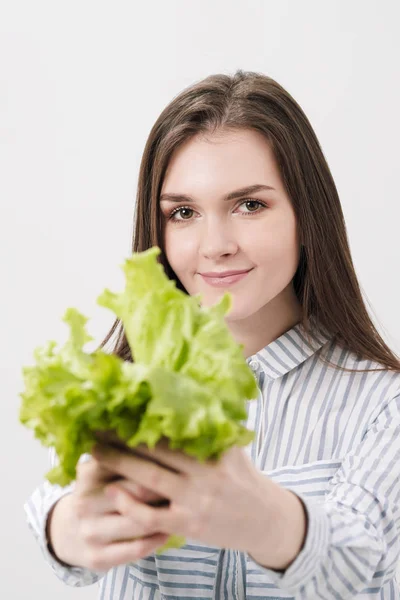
185,213
252,206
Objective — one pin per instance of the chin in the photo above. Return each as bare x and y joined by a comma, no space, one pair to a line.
237,314
239,309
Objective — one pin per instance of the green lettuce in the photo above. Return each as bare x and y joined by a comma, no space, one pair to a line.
189,381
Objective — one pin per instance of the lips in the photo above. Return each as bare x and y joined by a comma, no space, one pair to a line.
215,274
224,278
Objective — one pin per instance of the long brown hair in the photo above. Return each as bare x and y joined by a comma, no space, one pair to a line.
325,281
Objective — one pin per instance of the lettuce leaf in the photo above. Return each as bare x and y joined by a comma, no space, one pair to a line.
189,381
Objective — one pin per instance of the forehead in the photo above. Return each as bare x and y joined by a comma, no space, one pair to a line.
221,162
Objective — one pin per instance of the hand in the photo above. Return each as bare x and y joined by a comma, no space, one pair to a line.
227,503
139,492
85,528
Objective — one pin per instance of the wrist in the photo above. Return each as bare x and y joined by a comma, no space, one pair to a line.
289,532
56,530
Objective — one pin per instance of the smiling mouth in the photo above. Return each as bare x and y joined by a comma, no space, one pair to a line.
225,278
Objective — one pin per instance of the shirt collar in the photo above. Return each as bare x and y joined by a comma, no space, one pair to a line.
288,351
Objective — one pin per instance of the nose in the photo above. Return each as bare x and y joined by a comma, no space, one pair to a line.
217,240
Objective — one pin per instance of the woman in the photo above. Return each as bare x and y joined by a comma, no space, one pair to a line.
235,189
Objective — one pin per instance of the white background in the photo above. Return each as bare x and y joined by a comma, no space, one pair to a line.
81,83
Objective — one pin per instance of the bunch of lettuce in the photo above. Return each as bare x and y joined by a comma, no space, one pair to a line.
189,381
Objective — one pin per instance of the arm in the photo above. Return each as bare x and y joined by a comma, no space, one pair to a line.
353,538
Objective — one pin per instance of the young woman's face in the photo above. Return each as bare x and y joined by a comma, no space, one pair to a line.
221,237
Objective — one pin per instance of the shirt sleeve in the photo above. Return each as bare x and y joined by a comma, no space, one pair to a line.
37,509
353,537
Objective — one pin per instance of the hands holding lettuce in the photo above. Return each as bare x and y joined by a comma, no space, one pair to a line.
175,413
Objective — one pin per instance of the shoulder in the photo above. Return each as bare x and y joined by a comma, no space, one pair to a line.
371,375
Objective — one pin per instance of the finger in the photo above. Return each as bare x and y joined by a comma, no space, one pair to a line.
140,452
121,553
176,459
141,493
92,475
109,438
114,528
149,519
148,474
95,504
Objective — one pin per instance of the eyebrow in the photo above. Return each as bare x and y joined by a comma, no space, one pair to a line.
250,189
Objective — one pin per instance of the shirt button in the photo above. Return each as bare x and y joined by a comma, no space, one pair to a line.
254,365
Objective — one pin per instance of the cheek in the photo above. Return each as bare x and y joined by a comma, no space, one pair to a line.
180,249
273,245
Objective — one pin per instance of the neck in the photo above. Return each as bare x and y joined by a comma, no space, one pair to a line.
268,324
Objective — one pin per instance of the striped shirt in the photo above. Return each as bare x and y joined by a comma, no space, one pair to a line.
330,436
